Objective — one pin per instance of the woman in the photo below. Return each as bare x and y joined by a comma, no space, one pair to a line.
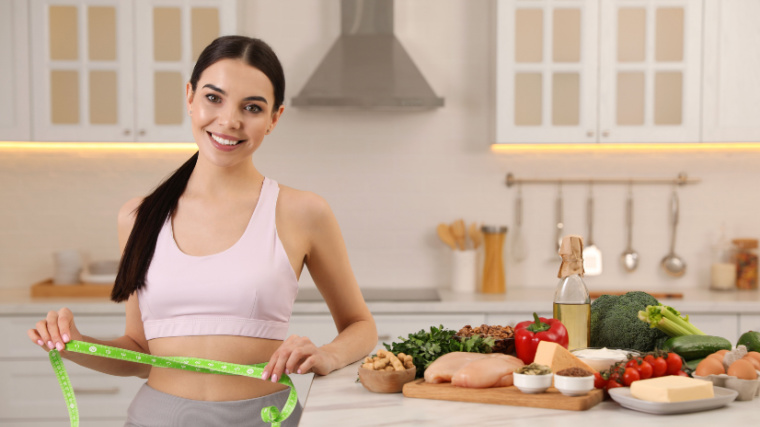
212,257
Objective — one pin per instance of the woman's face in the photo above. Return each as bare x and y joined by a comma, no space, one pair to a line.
231,111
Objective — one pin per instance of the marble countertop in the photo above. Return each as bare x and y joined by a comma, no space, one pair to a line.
17,301
337,399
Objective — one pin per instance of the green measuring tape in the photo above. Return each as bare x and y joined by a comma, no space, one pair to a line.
269,414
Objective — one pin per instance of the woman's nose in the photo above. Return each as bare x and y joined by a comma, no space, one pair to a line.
230,117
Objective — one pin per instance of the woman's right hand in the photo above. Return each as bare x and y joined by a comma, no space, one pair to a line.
55,330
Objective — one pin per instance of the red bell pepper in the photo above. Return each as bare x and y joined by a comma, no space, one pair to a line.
530,332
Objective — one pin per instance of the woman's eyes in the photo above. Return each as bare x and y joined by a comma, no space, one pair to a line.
216,99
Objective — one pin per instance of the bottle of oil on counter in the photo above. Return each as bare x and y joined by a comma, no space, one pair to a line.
572,305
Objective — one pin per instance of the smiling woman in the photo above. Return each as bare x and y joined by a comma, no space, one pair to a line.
211,261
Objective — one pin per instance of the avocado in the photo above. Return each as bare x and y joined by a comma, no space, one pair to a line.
751,340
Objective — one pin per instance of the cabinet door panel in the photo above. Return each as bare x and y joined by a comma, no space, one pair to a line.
546,88
82,70
14,71
732,64
650,71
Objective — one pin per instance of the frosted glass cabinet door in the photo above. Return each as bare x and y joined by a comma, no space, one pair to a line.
14,71
546,85
171,35
650,63
731,98
82,70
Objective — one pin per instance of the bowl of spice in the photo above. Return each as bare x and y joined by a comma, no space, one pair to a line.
574,381
503,336
533,378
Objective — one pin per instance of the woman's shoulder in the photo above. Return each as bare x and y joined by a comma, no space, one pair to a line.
302,205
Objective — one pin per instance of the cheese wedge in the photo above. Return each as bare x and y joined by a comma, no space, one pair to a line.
558,358
672,389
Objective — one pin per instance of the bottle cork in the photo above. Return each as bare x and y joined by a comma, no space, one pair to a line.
571,251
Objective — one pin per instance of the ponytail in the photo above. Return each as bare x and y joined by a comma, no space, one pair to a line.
151,215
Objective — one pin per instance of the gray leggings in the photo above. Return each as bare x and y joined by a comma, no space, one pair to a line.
152,408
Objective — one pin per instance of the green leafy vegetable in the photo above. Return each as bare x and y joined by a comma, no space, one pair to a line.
668,320
426,347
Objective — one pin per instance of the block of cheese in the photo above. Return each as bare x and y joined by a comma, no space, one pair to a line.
558,358
671,389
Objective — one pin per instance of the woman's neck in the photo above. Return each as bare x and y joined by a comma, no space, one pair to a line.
210,179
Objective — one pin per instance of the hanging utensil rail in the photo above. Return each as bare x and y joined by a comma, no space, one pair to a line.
681,179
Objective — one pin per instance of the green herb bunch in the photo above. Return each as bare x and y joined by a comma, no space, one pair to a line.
426,347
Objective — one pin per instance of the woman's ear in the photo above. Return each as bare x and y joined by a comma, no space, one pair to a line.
189,94
275,118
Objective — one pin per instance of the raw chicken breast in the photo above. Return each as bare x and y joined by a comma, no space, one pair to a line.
445,366
492,371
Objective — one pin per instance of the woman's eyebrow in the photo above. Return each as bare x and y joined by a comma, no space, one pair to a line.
250,98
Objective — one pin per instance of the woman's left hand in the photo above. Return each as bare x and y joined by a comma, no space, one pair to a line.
297,355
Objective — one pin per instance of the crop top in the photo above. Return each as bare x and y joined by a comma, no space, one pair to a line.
246,290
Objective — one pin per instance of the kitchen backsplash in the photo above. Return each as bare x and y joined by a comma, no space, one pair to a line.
392,177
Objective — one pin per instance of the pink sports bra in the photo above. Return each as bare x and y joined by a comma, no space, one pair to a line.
246,290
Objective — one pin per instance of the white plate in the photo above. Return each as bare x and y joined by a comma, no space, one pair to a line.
723,396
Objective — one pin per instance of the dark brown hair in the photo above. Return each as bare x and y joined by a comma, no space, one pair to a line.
162,202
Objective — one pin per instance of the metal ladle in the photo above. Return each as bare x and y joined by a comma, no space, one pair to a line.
671,263
629,257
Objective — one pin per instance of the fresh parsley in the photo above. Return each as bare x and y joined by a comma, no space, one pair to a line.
426,347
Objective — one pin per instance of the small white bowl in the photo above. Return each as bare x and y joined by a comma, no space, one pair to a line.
573,386
532,384
602,359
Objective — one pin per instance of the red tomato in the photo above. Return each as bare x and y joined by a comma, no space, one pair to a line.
599,382
682,374
613,384
674,363
633,363
649,358
645,370
630,375
659,367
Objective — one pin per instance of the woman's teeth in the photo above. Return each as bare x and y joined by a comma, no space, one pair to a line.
224,141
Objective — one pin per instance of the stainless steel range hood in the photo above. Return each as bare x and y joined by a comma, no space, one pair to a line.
367,68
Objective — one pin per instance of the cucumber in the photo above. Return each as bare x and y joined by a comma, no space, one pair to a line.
692,364
691,347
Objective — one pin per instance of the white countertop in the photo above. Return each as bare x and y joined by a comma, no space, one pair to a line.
337,399
17,301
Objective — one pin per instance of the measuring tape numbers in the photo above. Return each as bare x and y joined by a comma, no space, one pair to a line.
270,414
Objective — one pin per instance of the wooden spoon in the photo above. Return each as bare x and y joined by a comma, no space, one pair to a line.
460,232
444,233
476,235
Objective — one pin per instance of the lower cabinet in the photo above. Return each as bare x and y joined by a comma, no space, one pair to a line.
721,325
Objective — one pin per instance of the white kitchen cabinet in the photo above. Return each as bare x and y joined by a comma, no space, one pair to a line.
115,70
14,71
721,325
731,90
572,71
748,322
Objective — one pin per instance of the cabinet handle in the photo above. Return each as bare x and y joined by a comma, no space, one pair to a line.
112,390
142,132
384,337
127,132
605,133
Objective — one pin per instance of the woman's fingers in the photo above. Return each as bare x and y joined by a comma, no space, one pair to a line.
55,330
36,338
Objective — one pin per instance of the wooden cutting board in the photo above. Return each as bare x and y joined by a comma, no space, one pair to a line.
551,399
658,295
46,289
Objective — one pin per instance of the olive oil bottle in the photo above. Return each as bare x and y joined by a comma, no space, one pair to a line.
572,305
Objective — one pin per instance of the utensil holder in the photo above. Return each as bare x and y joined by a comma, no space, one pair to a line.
464,271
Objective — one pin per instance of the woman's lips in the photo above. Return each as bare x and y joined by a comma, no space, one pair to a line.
214,138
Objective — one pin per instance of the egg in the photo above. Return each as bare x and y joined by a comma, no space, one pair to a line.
743,370
709,366
753,354
753,361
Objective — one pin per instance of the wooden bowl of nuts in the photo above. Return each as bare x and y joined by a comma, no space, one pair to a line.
387,372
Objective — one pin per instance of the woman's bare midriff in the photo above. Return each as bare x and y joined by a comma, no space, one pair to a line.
213,387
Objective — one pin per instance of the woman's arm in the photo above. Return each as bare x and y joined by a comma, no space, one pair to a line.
327,259
59,328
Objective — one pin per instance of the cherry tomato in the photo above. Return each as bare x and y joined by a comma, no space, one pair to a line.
633,363
682,374
659,367
645,370
630,375
613,384
674,363
599,382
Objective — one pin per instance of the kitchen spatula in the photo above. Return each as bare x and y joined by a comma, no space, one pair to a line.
592,256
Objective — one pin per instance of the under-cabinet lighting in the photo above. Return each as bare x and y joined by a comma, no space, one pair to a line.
641,147
102,146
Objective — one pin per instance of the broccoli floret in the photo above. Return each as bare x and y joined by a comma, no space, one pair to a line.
615,322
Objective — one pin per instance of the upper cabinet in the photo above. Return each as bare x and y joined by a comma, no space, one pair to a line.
573,71
115,70
14,71
731,90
